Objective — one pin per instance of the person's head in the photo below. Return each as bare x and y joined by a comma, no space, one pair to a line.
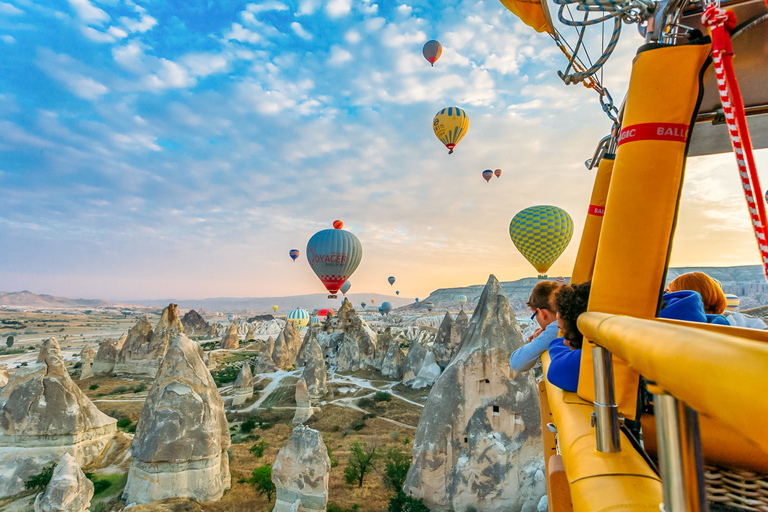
711,293
571,301
541,303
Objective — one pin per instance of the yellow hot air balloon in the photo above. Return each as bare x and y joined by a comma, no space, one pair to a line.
541,234
450,126
533,13
274,308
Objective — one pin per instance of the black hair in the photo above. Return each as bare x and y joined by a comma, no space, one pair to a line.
572,301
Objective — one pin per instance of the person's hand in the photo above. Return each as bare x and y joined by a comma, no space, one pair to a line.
535,333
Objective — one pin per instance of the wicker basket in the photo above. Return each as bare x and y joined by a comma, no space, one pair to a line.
739,490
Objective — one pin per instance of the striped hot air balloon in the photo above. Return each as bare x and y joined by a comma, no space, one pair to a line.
334,254
429,305
450,125
299,318
337,224
541,234
316,320
731,302
461,299
294,253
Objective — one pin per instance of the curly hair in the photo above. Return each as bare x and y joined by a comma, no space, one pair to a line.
571,301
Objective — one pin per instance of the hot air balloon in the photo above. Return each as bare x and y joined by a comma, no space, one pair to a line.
346,286
337,224
323,313
362,305
450,126
487,175
373,301
386,307
299,318
432,51
731,302
541,234
294,253
230,317
461,299
429,305
316,320
417,300
391,280
334,254
397,292
497,172
274,308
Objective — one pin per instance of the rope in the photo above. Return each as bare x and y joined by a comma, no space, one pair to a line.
720,23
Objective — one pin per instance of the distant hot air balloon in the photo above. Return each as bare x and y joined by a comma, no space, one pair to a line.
487,175
346,286
323,313
541,234
731,302
294,253
337,224
316,320
380,310
397,292
417,300
373,301
429,305
461,299
386,307
497,172
432,51
363,304
230,317
391,280
334,254
274,308
299,318
450,125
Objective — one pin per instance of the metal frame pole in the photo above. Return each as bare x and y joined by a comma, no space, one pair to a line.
606,409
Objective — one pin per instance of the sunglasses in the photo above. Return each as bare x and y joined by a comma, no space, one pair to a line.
535,313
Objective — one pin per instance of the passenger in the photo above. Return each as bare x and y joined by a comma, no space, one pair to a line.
565,352
542,306
682,305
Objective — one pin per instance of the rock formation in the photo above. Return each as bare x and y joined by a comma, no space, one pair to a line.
447,340
478,443
243,385
194,323
292,339
413,362
144,347
282,355
383,341
87,354
104,362
231,340
393,362
214,331
251,334
182,437
309,334
347,341
45,347
68,491
213,359
86,362
4,375
303,405
121,341
300,472
43,414
314,370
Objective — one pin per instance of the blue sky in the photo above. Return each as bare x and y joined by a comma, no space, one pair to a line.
180,149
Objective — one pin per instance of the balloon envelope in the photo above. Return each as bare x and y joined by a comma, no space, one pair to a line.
274,308
363,304
391,280
432,51
497,172
450,125
373,301
294,253
487,174
386,307
397,292
346,286
541,234
417,299
731,302
334,254
429,305
325,312
337,224
461,299
299,318
316,320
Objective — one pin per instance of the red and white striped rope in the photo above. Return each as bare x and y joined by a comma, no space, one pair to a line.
727,87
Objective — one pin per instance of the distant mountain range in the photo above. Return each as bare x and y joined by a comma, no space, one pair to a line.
747,282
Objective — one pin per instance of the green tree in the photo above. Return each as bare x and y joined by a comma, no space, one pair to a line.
261,480
40,480
396,468
258,449
401,502
362,460
9,341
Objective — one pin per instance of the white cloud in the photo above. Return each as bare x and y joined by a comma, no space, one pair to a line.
404,10
129,57
169,76
204,64
242,34
7,39
337,8
144,23
299,31
97,36
62,68
88,12
339,56
10,9
352,37
307,7
269,5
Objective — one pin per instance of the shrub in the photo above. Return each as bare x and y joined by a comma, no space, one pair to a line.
357,425
332,457
100,486
396,468
40,481
247,425
400,502
93,387
382,396
121,389
123,423
261,480
141,387
9,341
335,428
258,449
364,402
394,435
406,440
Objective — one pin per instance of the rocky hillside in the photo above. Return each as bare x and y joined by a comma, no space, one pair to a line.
27,298
748,282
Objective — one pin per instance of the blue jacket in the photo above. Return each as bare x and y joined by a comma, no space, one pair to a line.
526,356
683,305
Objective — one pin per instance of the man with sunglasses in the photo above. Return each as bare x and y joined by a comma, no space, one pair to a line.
542,305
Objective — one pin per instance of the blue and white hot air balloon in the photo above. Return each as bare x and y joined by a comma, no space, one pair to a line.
299,318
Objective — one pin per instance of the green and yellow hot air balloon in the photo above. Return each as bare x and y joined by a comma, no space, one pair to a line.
541,234
450,126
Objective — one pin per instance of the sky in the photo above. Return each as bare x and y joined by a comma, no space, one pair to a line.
153,149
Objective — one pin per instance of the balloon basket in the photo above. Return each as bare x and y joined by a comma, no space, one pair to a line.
542,276
332,297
